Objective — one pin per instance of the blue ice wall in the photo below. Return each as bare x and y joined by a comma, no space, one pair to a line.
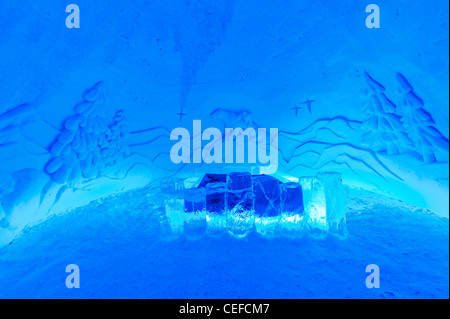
87,112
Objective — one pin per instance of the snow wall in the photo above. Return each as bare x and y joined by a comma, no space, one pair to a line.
87,112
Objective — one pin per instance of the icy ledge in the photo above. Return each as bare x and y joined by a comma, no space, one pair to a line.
26,208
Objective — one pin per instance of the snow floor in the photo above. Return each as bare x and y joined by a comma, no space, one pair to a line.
117,245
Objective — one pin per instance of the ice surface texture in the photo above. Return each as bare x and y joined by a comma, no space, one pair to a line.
314,203
335,201
215,208
172,191
85,146
87,143
419,124
398,129
386,131
125,232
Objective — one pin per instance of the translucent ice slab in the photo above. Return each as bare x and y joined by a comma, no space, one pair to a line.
315,206
195,213
292,211
336,197
172,192
172,186
261,203
215,209
267,204
324,199
240,204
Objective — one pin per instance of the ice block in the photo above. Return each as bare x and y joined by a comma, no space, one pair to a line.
267,204
335,197
240,204
172,192
314,203
215,209
195,213
292,210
